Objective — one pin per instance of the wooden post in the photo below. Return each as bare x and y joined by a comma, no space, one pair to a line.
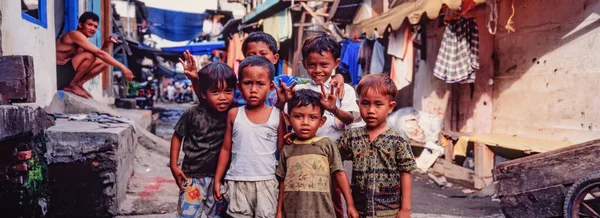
484,163
333,9
106,31
298,47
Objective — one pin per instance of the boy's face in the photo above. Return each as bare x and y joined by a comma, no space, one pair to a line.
219,98
305,121
255,85
320,66
374,108
261,49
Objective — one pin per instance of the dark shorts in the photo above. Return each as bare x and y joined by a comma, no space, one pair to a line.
64,75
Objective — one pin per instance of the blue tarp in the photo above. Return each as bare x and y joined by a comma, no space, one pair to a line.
175,25
198,48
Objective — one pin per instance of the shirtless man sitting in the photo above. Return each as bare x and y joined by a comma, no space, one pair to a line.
78,60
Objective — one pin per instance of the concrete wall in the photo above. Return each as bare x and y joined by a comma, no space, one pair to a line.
547,80
21,37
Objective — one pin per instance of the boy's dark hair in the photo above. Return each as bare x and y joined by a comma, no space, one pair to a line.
305,97
215,75
256,61
320,43
88,15
379,83
260,37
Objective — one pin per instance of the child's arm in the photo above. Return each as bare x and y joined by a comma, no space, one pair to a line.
224,155
406,164
342,180
328,101
281,132
406,181
280,199
174,158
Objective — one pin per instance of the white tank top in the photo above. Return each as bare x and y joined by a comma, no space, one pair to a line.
253,148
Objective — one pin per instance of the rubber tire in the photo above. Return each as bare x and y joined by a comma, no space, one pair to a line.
575,189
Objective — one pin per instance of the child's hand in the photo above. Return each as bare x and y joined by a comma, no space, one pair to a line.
352,213
328,99
338,82
178,175
403,214
289,138
189,65
217,191
284,93
279,214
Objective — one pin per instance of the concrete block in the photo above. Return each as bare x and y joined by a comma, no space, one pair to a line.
17,82
22,121
126,103
89,168
69,103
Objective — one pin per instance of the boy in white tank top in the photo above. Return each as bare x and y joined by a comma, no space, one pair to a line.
249,146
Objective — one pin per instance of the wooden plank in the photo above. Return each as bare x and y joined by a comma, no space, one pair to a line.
558,167
303,24
17,82
333,9
519,143
106,30
318,19
300,34
484,163
547,202
455,135
454,173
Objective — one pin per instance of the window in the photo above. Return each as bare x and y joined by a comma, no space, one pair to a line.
34,11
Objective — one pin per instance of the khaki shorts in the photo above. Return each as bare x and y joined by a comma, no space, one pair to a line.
251,198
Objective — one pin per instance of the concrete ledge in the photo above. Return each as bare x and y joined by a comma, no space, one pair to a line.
69,103
143,118
22,121
89,168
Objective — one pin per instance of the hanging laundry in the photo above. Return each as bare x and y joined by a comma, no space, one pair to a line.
279,26
350,59
364,56
238,40
378,58
284,21
398,42
401,48
466,6
270,27
230,52
458,57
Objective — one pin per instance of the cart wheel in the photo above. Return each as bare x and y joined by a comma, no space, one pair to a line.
583,198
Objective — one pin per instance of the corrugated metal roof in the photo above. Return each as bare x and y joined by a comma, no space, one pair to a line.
411,10
346,10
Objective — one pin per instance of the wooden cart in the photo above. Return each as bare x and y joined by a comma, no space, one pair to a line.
563,182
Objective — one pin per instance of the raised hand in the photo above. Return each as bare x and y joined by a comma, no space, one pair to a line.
328,100
189,65
338,82
284,93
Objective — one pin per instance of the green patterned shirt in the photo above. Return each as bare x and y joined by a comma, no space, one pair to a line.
376,168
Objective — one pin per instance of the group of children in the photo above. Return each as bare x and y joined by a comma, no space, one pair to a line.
243,155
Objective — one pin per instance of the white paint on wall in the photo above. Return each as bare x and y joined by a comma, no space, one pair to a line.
21,37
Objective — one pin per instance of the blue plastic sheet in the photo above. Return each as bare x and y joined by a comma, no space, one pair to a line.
175,25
